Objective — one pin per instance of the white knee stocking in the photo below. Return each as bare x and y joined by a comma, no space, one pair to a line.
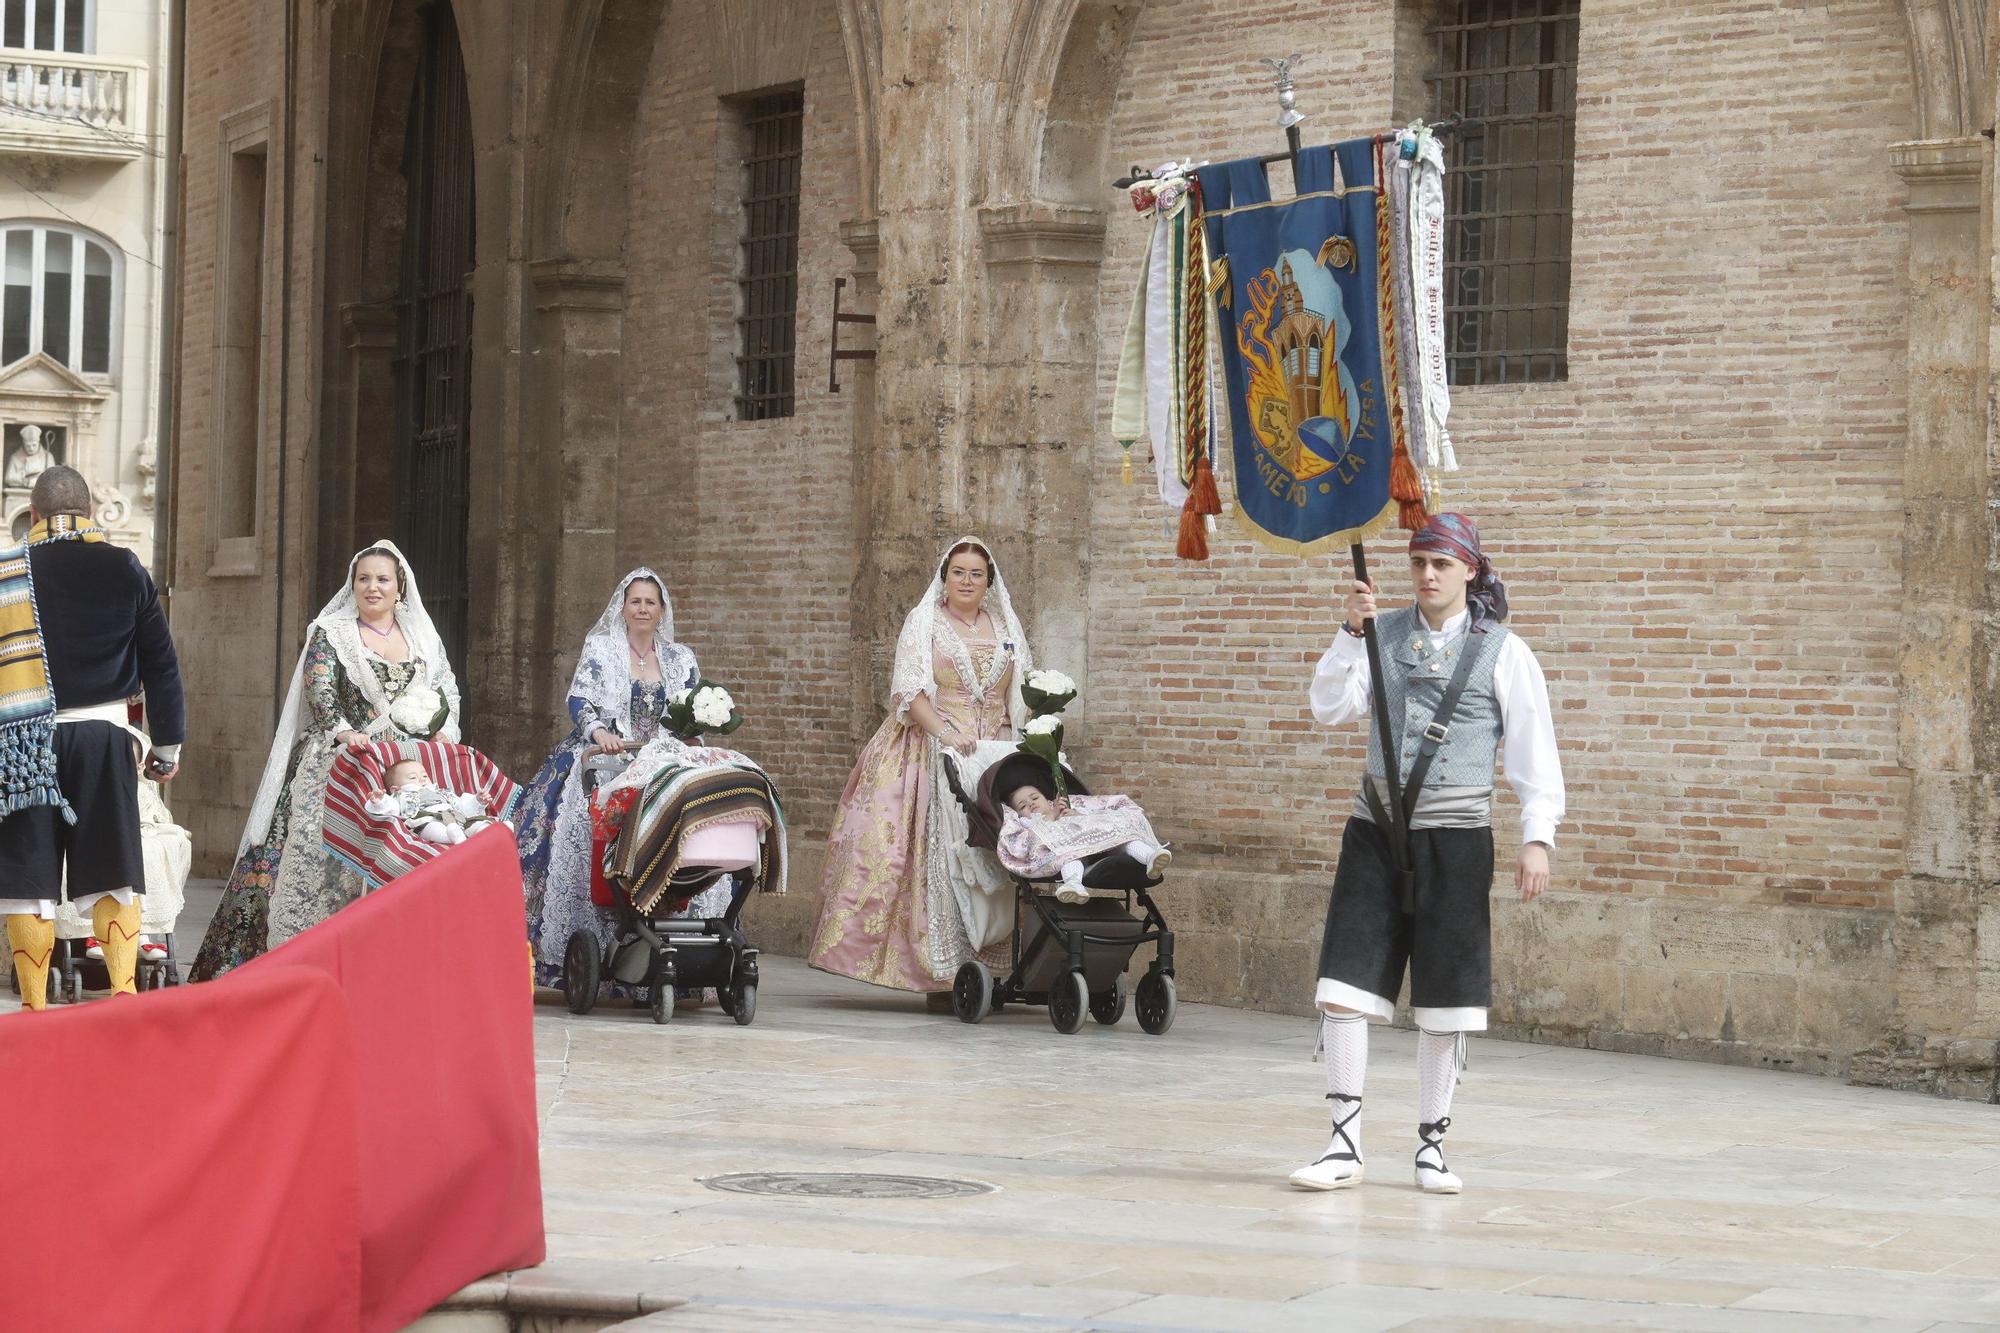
1345,1037
1437,1073
1439,1055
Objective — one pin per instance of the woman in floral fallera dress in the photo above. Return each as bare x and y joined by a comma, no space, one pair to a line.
373,670
903,900
629,668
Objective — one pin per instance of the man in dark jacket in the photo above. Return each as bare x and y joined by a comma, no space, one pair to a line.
104,637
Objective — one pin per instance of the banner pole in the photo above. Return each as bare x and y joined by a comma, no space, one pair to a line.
1290,117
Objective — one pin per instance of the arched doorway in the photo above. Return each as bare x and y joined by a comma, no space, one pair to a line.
434,329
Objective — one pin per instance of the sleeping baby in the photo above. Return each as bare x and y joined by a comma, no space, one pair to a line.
1045,837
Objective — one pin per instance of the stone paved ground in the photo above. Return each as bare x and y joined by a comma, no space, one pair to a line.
1142,1180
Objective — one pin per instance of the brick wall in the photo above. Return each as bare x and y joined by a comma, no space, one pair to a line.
749,521
223,624
1699,529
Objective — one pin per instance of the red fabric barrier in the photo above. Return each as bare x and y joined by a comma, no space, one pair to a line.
434,967
334,1137
182,1160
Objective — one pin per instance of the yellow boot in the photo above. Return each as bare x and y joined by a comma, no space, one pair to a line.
33,941
116,926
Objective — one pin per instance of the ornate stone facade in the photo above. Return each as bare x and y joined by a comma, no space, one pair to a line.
1751,534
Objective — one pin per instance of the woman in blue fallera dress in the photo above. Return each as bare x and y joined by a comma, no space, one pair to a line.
630,667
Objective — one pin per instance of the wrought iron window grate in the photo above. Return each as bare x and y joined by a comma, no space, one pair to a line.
1510,65
767,324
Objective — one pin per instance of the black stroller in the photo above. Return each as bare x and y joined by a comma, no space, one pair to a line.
653,948
1072,958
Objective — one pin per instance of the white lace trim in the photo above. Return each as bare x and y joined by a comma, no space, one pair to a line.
926,631
337,621
603,675
953,870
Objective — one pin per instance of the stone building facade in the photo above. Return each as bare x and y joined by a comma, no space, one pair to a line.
86,169
1750,531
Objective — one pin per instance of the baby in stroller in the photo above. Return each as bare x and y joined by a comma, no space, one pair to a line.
426,809
1044,835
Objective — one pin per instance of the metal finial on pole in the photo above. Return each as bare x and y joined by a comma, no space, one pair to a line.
1288,114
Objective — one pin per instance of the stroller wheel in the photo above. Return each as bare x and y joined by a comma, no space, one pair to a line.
1156,1002
582,970
1069,996
972,992
660,987
1107,1007
744,1010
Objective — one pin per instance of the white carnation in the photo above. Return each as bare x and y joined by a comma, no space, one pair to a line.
1051,682
415,709
713,707
1043,725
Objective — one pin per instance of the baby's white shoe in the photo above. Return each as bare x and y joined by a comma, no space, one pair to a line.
1071,890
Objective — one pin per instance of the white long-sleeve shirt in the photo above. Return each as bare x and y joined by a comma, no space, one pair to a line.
1341,693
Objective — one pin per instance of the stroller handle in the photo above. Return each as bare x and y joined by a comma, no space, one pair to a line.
600,767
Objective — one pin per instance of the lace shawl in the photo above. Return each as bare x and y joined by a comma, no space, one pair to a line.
926,632
603,679
338,621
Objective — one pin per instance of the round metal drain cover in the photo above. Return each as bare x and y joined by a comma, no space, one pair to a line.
846,1185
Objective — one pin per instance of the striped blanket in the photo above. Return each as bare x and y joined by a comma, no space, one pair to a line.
380,849
643,852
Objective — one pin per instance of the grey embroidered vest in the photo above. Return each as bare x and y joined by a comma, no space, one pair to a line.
1458,789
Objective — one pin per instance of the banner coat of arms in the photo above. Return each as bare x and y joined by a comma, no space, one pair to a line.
1309,349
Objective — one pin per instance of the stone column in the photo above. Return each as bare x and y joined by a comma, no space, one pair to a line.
579,400
869,652
932,96
1030,473
1946,932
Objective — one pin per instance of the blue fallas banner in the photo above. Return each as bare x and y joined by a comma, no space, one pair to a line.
1314,411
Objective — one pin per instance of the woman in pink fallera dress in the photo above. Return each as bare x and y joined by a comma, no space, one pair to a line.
896,865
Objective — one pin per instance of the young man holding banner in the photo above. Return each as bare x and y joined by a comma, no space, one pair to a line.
1412,884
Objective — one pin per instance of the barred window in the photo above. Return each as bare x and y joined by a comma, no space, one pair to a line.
773,126
1511,66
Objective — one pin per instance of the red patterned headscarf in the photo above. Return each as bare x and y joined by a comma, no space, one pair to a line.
1455,535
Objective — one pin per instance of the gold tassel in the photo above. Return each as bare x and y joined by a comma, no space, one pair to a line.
1125,467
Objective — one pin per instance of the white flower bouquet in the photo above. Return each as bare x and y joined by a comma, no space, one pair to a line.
704,707
419,711
1042,738
1047,692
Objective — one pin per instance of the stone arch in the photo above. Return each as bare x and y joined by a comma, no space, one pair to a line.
605,51
861,34
1952,67
1060,69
